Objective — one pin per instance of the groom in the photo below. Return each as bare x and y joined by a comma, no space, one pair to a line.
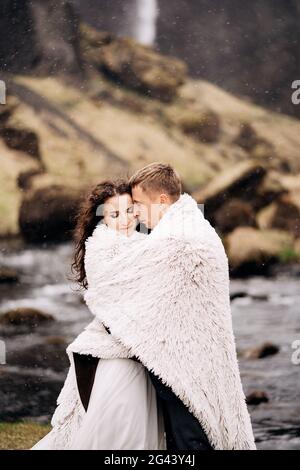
154,189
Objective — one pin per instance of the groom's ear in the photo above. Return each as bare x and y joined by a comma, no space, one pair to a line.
164,199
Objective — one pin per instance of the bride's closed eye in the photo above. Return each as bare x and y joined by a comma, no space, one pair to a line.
115,215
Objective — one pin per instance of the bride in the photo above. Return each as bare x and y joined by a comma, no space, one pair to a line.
108,400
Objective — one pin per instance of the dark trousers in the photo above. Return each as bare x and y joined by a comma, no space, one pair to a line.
183,430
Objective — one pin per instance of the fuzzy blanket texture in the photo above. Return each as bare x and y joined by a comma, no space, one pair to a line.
93,340
165,298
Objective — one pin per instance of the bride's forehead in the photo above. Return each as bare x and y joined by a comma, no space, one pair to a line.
119,201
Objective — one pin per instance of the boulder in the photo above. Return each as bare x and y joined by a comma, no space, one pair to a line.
12,163
265,153
290,182
238,295
204,126
7,111
56,341
21,139
129,63
234,213
8,275
256,397
283,214
265,216
262,351
247,137
140,68
270,189
24,179
91,42
237,181
287,214
255,145
25,316
251,250
17,136
259,297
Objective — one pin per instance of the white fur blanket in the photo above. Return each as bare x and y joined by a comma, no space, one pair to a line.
94,340
68,415
166,300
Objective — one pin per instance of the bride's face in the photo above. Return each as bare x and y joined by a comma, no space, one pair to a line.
118,214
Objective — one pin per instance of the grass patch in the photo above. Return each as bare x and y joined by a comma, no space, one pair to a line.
289,255
21,435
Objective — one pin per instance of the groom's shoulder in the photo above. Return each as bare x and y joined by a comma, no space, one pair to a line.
175,244
198,242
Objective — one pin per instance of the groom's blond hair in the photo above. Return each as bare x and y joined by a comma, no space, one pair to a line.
158,177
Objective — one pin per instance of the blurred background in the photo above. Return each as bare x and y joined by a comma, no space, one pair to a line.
99,88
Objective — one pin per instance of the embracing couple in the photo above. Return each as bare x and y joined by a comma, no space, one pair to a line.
157,367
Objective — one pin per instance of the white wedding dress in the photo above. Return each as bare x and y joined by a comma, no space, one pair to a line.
123,412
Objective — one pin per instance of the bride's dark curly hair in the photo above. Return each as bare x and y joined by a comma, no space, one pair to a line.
87,218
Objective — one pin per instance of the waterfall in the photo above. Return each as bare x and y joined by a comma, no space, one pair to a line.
145,30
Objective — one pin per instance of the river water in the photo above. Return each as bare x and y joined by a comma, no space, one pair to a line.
263,309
